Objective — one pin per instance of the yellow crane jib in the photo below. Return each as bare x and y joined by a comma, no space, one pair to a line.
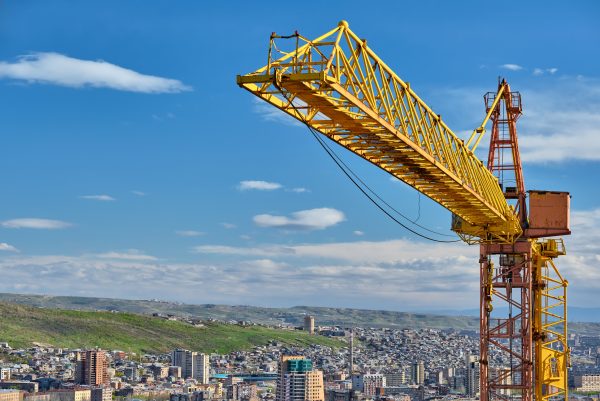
338,86
478,132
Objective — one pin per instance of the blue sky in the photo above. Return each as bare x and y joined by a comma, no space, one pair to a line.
134,167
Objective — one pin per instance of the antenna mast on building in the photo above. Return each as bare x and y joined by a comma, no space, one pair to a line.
351,351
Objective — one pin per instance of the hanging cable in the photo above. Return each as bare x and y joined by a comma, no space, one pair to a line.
348,174
341,165
332,152
316,136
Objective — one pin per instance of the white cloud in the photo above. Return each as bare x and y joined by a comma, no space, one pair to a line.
511,67
8,248
257,280
270,113
376,269
139,193
58,69
561,121
35,223
312,219
264,266
541,71
582,255
161,118
130,254
367,274
358,233
228,226
264,251
102,198
189,233
388,252
560,118
258,185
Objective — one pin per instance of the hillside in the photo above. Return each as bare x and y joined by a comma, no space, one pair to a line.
295,315
461,320
23,325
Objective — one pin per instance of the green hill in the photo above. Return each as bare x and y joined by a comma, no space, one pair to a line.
21,326
345,317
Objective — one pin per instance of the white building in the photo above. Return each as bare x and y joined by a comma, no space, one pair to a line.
587,382
396,379
201,368
472,376
418,373
368,383
193,364
4,373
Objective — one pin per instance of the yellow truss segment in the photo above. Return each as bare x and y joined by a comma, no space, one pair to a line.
338,86
550,322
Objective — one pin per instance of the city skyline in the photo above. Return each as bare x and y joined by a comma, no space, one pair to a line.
137,169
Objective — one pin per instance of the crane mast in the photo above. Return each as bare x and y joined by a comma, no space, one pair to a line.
523,297
339,87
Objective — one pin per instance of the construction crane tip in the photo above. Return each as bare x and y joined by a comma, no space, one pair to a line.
344,23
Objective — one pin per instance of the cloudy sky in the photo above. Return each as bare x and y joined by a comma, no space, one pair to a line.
134,167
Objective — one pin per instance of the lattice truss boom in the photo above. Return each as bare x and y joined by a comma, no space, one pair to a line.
338,86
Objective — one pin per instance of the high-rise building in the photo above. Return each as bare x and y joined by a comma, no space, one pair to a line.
314,388
242,392
309,324
184,359
92,368
472,376
351,362
368,383
201,368
502,376
297,381
441,378
101,394
418,373
193,364
457,383
396,379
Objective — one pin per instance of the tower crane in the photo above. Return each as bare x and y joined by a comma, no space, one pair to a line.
339,88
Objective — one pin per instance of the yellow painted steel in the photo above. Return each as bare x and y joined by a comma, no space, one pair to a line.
550,322
338,86
478,132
